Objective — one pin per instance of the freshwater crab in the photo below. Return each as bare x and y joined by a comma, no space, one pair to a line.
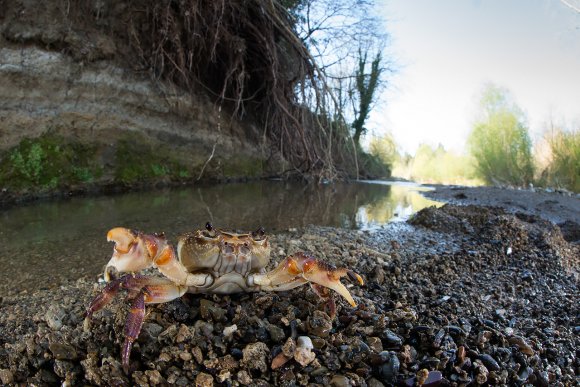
207,261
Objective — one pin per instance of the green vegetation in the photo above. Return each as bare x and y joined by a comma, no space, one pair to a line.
138,162
48,162
366,88
436,165
561,167
499,141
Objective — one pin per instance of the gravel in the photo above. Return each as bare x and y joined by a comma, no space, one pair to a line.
459,295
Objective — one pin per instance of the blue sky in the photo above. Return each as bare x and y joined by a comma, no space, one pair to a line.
446,50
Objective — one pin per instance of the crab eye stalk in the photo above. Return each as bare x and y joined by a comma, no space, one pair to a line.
259,233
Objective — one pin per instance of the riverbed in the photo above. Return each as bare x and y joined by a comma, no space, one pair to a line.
458,295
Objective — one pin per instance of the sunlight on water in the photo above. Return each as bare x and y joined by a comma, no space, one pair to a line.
66,239
403,200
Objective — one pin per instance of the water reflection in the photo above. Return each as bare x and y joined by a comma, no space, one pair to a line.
65,239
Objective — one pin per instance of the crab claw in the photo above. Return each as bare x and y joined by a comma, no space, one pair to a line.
132,251
324,274
301,268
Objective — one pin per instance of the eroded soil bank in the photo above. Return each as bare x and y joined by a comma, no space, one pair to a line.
461,295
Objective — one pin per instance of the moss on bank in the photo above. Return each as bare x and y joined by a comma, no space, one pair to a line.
139,162
48,162
51,164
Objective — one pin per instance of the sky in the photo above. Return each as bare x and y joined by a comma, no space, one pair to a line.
445,51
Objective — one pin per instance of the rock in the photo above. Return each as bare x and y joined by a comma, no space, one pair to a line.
389,368
228,331
54,317
209,310
392,341
155,377
255,356
6,377
183,334
204,380
319,324
244,378
489,362
63,351
303,353
372,382
339,381
522,344
375,344
276,333
289,347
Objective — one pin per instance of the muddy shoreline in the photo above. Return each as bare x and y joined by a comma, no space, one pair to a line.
461,294
558,206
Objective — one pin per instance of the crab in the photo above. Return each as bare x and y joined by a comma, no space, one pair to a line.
207,261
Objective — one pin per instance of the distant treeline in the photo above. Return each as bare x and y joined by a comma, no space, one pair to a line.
500,152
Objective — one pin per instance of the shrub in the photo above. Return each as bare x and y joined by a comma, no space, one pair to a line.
500,142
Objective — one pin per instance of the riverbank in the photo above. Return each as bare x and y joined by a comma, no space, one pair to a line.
559,207
460,294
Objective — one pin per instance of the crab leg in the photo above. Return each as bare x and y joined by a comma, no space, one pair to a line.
302,268
142,290
136,251
133,326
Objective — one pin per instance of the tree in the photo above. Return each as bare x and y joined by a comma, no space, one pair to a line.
342,35
366,87
500,142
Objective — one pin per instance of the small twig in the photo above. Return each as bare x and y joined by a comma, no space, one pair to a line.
214,144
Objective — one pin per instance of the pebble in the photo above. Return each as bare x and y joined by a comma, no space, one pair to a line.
244,378
389,368
375,344
489,362
209,310
303,353
228,331
155,377
54,316
522,344
276,333
255,356
203,380
392,340
6,377
319,324
339,381
63,351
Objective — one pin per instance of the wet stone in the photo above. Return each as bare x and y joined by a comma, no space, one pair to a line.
489,362
389,367
391,339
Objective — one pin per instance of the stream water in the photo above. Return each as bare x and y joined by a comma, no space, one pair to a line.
44,243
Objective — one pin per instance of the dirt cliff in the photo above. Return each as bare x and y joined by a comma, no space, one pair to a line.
68,78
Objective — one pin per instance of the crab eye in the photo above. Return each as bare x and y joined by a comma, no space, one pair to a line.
208,226
259,233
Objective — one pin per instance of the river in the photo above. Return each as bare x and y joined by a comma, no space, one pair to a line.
45,243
